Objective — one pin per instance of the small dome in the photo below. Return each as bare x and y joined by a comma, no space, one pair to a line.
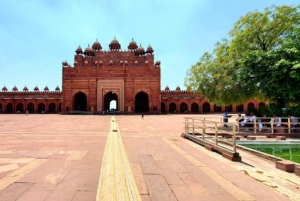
96,45
36,88
46,88
88,49
140,49
146,62
177,88
78,50
114,44
86,62
96,62
136,62
4,88
57,89
100,62
121,61
15,88
25,89
132,45
111,62
150,49
167,88
126,62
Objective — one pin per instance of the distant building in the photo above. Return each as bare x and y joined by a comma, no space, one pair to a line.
130,77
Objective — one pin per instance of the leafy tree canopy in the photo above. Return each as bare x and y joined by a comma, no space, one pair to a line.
260,59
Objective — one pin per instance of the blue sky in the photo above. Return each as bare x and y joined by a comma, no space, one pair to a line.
36,36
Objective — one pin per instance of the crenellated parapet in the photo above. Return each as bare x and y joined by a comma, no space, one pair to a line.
26,91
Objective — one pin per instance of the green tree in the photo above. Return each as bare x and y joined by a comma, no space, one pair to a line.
250,63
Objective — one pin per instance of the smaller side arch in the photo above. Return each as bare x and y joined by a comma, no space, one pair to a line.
206,107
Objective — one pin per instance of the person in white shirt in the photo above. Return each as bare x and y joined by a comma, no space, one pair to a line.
276,120
294,122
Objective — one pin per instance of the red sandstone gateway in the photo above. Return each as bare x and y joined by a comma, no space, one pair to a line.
131,78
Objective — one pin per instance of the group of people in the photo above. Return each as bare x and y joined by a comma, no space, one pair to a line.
264,122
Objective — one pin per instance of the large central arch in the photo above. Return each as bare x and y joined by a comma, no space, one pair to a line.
141,102
108,98
80,102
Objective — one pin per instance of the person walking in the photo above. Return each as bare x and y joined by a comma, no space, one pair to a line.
142,115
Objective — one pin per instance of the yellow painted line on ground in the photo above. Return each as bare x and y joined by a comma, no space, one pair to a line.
16,175
224,183
16,160
5,168
116,180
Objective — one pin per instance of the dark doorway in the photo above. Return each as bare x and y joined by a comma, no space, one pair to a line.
80,102
195,107
163,107
141,102
9,108
240,108
217,108
206,107
183,107
108,101
228,108
1,109
52,108
20,108
30,107
250,106
41,108
172,108
59,107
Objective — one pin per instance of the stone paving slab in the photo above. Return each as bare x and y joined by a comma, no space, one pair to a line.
59,157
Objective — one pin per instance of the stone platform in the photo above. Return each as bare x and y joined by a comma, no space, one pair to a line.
59,157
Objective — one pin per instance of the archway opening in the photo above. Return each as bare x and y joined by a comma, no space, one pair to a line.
20,108
1,109
59,107
80,102
41,108
163,107
141,102
30,107
195,107
240,108
172,107
52,108
110,101
217,108
250,106
206,107
228,108
183,107
261,105
9,108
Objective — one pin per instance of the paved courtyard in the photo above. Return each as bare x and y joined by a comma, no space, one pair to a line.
59,157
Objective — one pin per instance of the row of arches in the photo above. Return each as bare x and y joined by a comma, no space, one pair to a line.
111,101
206,107
30,107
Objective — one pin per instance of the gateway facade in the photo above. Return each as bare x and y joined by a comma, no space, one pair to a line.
131,78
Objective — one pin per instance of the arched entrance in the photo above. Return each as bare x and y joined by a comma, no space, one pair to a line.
110,101
1,109
217,108
59,107
228,108
250,106
41,108
195,107
183,107
80,102
30,107
240,108
206,107
52,108
172,107
141,102
261,105
163,107
9,108
20,107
